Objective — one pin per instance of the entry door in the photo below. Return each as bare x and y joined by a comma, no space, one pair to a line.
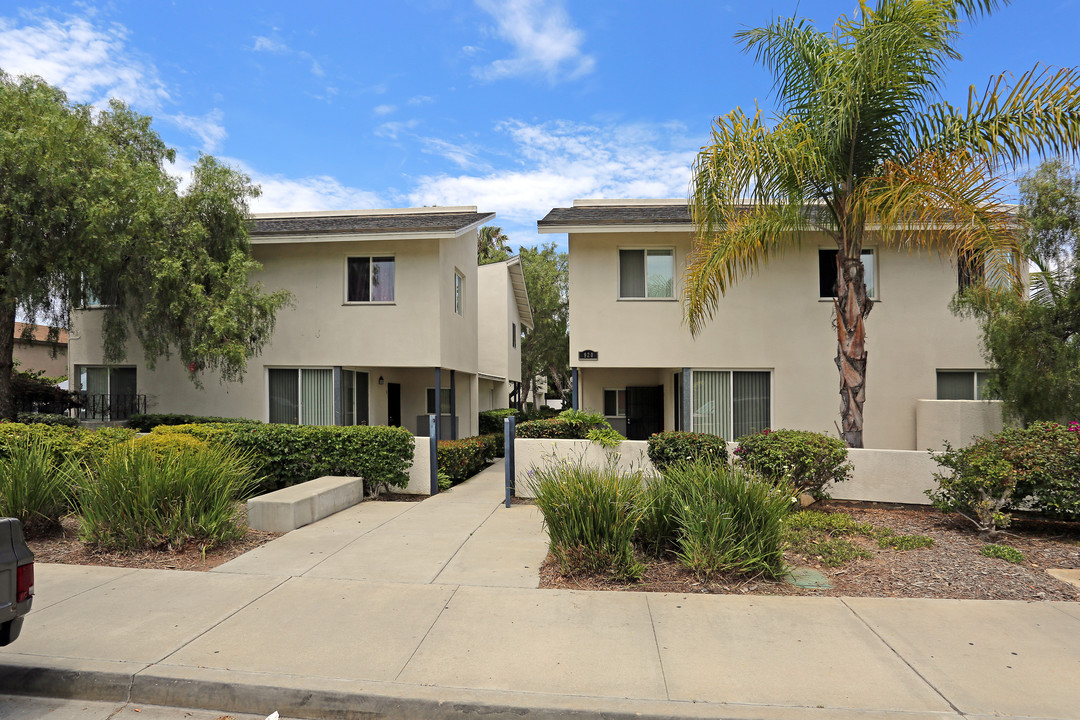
644,411
393,404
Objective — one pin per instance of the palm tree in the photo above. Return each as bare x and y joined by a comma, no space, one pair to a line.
492,245
863,144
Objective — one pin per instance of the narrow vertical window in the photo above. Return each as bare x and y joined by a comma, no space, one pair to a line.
459,293
513,335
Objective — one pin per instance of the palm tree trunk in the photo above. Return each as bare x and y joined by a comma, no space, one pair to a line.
7,349
852,307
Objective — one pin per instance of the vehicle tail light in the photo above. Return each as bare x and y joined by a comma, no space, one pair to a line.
24,582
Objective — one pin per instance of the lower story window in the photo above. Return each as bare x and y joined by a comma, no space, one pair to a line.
962,384
109,393
301,396
615,402
731,403
444,408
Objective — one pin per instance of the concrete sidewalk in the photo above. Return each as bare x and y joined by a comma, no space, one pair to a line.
430,610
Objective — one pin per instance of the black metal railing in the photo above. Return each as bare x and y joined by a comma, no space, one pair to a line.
110,407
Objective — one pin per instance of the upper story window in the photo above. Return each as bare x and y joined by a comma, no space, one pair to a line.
647,273
962,384
827,273
513,335
459,293
369,279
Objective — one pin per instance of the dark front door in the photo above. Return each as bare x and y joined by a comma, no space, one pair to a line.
644,411
393,404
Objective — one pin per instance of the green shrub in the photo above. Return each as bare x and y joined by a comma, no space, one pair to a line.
35,486
903,542
145,422
166,444
494,445
667,448
289,454
834,552
605,437
491,421
591,515
727,519
94,444
571,425
65,443
1002,552
808,460
461,459
47,419
1038,465
135,497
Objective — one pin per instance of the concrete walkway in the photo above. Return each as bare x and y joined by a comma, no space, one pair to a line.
430,610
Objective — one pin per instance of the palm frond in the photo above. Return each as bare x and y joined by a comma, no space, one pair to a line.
752,236
1039,114
946,202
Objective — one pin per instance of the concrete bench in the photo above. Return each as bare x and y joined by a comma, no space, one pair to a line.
296,506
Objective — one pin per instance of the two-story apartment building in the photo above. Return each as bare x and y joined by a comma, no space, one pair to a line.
383,328
766,357
504,312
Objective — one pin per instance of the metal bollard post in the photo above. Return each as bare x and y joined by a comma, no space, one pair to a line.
433,444
508,457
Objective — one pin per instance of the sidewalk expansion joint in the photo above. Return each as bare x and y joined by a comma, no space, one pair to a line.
245,606
903,659
361,536
426,633
467,538
656,640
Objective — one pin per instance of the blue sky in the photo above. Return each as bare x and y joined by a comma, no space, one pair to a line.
515,106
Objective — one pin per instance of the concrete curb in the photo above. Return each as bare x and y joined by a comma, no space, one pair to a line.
338,699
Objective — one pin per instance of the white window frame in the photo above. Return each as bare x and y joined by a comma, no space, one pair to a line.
299,387
371,269
975,374
446,392
731,401
873,294
459,292
646,298
620,410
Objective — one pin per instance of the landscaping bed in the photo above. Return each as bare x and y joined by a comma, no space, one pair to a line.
952,567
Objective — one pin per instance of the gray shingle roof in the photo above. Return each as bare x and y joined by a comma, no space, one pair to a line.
615,215
369,224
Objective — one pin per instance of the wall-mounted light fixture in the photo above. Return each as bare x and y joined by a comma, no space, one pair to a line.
380,380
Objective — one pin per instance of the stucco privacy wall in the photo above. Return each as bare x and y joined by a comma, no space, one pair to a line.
955,422
775,321
899,476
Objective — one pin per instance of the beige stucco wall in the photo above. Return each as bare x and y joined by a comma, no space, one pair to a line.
401,341
493,321
897,476
955,421
39,356
775,321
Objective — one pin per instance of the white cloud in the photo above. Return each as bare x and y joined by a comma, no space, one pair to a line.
545,41
274,45
208,128
384,109
282,194
265,44
462,156
561,161
392,129
91,63
421,100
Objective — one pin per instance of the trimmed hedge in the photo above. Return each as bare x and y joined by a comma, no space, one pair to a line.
146,422
461,459
285,455
668,448
65,443
491,421
568,425
808,460
27,418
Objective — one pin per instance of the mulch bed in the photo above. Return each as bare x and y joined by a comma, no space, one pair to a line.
952,568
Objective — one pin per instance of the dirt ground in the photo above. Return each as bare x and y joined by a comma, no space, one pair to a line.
951,568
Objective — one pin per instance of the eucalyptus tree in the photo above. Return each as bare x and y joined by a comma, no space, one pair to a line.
91,216
862,139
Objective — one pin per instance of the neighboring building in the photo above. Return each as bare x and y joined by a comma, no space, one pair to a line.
38,352
766,358
385,312
504,312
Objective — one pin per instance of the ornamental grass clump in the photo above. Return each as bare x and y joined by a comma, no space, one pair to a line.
591,515
141,496
727,520
35,484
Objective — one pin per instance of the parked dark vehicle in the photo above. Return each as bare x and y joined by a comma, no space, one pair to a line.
16,579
